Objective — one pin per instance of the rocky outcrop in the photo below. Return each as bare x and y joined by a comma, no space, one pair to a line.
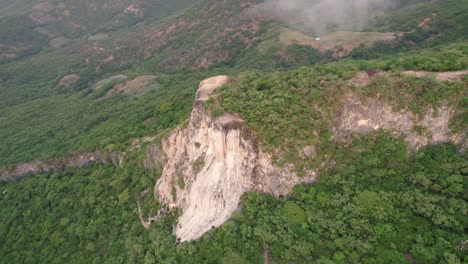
74,160
210,163
68,80
363,117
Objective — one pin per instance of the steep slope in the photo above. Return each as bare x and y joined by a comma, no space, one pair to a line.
27,26
210,163
213,158
204,35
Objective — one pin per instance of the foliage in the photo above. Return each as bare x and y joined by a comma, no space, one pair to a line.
378,205
76,215
290,110
57,124
217,112
373,201
19,38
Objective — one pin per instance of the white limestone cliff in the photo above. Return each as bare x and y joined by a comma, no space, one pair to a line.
210,163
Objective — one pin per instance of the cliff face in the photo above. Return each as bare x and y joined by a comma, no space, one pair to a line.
211,163
364,117
72,160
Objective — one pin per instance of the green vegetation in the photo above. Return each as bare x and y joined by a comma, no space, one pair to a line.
20,21
444,25
374,201
377,205
19,39
293,109
76,215
57,124
446,22
217,112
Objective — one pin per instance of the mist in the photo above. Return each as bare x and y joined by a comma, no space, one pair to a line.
322,16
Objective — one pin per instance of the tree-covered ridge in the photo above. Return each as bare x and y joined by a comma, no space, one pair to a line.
376,205
290,110
29,87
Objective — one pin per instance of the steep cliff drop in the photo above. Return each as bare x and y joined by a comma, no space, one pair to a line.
211,162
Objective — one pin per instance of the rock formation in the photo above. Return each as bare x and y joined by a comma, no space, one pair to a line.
211,162
367,116
72,160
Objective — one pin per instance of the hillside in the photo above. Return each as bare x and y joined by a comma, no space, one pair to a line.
26,27
202,37
233,131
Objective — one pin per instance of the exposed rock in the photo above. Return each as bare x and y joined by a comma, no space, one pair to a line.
371,115
454,76
154,158
211,163
207,87
132,86
106,81
69,80
135,10
309,151
74,160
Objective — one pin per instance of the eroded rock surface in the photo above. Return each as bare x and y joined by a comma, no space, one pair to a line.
73,160
211,163
364,117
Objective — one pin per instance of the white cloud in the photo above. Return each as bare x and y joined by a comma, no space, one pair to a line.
323,15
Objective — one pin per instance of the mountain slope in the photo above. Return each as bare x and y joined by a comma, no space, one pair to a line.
29,26
343,147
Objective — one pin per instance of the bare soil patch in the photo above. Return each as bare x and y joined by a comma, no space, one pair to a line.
69,80
106,81
133,86
454,76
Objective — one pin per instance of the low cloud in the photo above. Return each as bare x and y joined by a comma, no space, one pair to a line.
323,16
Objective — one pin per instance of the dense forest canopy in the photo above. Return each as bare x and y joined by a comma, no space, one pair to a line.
376,199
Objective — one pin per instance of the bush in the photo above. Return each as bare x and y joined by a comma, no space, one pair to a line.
217,112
